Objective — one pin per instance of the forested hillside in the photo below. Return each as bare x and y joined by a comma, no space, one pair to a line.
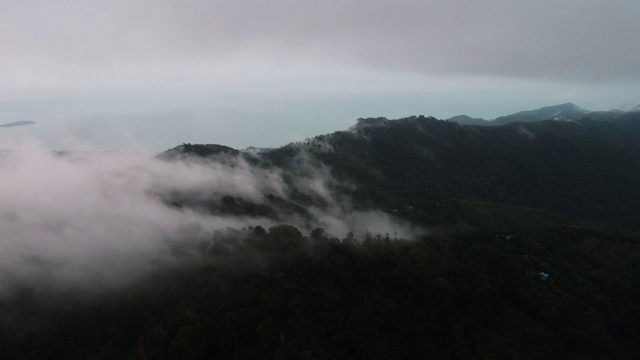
553,294
517,241
517,175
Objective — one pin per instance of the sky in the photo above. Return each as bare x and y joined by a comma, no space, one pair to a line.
149,75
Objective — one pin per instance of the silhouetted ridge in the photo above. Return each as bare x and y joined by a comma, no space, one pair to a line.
568,111
467,120
197,150
18,123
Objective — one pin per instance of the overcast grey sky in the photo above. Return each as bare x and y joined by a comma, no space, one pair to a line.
153,74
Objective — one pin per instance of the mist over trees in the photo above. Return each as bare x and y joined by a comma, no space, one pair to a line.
406,238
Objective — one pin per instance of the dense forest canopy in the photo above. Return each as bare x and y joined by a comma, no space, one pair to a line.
411,238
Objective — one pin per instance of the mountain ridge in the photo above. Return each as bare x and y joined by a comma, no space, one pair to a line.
585,170
566,111
18,123
467,120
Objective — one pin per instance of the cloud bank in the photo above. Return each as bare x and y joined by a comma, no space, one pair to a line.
97,220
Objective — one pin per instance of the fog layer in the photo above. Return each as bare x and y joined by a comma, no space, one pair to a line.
95,220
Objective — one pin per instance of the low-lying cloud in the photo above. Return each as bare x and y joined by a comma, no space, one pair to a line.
96,219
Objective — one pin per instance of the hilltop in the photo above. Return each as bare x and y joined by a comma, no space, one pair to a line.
518,175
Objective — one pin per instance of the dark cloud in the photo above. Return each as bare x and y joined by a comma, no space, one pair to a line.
579,40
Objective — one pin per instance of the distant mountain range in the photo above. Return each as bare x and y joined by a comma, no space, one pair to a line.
562,112
18,123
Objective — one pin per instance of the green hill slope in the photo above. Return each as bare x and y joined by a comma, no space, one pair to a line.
586,170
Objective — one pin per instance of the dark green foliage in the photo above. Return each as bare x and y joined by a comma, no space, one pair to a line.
437,173
585,170
279,294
